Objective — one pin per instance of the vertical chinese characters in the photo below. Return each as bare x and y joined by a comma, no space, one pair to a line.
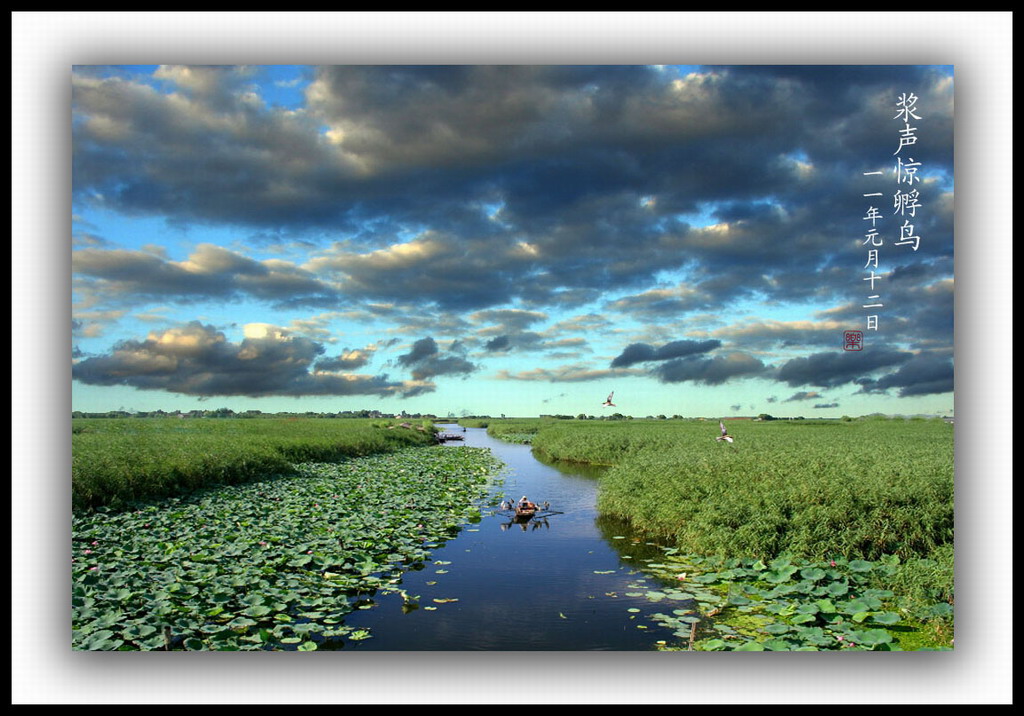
906,202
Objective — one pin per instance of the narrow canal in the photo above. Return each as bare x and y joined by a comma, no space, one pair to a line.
567,582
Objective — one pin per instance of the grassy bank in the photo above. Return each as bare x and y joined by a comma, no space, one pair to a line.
117,462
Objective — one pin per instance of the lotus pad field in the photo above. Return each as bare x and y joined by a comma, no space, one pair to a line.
795,605
271,564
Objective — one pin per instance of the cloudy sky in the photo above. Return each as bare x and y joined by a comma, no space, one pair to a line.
513,240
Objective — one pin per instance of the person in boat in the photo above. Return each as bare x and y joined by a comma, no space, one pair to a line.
525,504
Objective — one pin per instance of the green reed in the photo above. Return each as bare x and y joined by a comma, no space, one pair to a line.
116,462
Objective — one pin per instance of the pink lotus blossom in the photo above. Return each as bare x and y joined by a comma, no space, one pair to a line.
93,569
88,551
833,563
95,542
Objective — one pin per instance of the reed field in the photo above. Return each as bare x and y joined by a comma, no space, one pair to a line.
116,462
815,488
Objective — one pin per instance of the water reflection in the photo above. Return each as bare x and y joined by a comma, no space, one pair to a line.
533,522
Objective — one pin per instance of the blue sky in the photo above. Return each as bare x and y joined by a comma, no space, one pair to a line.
513,240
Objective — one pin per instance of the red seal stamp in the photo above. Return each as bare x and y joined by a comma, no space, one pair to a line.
853,341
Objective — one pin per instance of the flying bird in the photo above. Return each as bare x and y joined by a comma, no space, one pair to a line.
609,402
724,436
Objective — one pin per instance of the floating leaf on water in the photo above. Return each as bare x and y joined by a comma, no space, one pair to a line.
609,571
812,574
871,637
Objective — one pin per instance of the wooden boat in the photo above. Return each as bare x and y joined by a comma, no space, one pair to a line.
525,513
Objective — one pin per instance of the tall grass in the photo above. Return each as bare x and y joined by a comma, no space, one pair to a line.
116,462
860,488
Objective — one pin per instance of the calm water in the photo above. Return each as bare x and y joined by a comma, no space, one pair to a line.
558,583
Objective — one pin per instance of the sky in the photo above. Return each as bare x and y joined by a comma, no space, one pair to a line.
517,240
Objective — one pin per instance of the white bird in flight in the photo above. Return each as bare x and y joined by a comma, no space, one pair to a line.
609,402
724,436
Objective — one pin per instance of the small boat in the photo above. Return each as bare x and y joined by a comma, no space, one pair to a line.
524,514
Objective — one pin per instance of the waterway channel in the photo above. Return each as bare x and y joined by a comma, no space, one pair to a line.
567,582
